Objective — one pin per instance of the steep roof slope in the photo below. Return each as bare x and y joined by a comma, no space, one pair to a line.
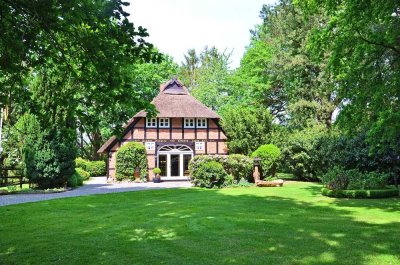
173,101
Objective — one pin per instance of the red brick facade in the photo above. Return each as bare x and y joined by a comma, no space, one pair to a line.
184,127
213,137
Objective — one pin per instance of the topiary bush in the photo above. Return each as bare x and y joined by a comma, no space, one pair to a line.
269,155
128,158
83,173
209,174
239,166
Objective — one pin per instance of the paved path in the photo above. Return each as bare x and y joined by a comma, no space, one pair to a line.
96,185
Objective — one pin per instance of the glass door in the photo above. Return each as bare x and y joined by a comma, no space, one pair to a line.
162,164
186,160
175,166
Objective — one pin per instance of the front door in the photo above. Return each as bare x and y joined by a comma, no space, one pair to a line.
162,164
175,165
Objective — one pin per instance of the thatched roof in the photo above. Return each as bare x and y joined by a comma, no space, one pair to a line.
173,101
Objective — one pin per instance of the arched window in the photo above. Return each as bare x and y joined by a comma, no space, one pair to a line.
175,148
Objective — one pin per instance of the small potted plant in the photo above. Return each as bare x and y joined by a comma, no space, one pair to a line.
156,172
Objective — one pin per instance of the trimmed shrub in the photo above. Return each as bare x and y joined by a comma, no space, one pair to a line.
269,155
156,170
75,180
239,166
352,179
129,157
209,174
84,174
359,194
94,168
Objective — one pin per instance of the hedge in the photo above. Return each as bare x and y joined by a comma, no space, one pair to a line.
239,166
94,168
129,157
361,194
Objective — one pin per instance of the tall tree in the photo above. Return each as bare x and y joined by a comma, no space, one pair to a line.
189,68
363,40
284,74
209,75
96,125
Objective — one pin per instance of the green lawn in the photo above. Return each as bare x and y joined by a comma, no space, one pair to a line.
289,225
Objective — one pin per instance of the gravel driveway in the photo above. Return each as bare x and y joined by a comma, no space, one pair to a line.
96,185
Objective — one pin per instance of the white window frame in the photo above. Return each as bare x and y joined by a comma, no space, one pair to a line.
201,123
189,121
150,146
199,146
163,122
151,122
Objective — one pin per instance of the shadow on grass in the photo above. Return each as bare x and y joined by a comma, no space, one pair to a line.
194,226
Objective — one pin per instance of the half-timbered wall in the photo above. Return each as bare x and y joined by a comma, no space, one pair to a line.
213,137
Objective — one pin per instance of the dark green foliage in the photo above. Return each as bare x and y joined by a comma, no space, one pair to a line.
246,128
21,138
353,179
129,157
238,166
209,174
354,152
364,58
84,174
269,155
50,162
361,194
76,179
300,152
94,168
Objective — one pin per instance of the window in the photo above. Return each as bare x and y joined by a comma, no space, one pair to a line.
151,123
163,122
189,122
202,123
199,146
150,146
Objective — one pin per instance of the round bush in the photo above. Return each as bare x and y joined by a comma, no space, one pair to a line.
361,194
129,157
208,174
75,180
156,170
269,155
83,173
239,166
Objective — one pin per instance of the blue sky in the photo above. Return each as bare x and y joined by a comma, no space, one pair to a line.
178,25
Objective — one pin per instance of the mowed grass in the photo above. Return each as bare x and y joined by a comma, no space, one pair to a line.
289,225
